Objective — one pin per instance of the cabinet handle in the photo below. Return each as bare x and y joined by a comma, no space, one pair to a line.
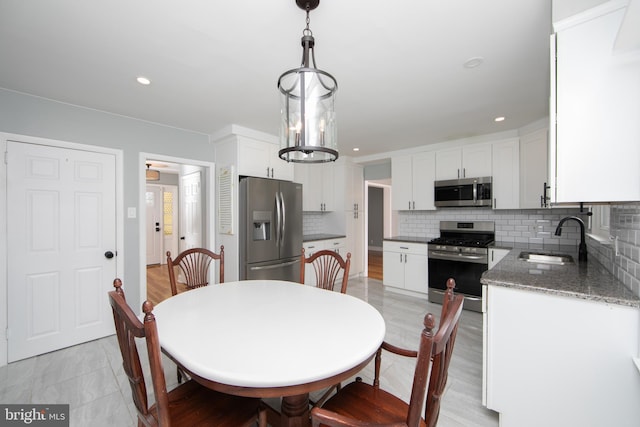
464,172
271,172
495,204
414,205
267,171
400,257
405,258
404,247
544,198
409,204
458,173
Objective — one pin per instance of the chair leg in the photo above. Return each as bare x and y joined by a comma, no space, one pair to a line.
326,395
262,416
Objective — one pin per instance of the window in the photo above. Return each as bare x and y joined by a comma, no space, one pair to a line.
599,222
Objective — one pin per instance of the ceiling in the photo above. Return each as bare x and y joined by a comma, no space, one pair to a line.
399,64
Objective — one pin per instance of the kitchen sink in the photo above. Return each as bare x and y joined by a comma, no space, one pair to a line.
546,258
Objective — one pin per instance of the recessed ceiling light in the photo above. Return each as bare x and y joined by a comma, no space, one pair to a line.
143,81
499,119
356,149
473,62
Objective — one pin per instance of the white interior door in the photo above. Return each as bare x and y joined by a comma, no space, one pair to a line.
190,211
170,220
153,199
62,239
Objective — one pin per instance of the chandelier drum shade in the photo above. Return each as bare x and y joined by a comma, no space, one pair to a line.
308,131
152,175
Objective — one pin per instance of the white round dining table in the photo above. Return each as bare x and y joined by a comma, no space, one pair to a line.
269,338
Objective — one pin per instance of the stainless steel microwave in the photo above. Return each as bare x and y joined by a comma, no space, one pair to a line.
464,192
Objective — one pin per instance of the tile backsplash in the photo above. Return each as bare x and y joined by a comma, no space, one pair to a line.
532,226
312,223
621,255
512,226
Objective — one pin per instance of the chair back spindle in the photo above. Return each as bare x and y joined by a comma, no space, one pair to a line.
327,266
194,264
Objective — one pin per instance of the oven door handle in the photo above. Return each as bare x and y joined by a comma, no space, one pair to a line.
450,257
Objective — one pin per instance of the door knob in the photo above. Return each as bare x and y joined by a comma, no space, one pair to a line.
182,238
157,228
108,254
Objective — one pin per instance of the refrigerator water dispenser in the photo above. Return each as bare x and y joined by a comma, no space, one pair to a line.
261,225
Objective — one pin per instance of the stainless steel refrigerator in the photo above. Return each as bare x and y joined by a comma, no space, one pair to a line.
270,229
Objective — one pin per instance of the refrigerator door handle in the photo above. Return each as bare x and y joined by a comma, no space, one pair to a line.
271,267
284,218
278,220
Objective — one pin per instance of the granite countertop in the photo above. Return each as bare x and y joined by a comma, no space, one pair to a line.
409,239
321,236
589,281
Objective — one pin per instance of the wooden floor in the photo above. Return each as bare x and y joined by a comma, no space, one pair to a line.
374,260
158,286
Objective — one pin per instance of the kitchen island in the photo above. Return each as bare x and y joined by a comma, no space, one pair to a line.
559,344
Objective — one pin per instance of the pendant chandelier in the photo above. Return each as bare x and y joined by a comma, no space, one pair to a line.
308,131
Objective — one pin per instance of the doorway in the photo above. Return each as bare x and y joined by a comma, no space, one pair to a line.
379,224
179,207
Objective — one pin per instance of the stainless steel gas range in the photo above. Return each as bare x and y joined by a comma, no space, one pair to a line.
460,252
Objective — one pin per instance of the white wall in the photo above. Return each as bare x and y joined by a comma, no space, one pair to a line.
33,116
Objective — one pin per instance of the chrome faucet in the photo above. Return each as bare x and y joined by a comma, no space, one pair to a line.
582,249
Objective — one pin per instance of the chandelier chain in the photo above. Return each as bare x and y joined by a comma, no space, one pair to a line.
307,30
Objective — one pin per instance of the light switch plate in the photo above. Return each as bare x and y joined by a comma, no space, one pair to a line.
131,212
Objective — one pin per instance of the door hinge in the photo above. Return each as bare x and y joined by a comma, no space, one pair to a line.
7,334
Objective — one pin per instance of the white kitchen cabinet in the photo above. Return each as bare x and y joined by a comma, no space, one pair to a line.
349,187
595,147
354,215
506,174
348,212
534,171
561,361
318,182
412,183
404,266
468,161
260,159
496,255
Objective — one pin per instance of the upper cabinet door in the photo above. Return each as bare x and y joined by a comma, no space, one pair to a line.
449,164
401,183
260,159
424,173
469,161
506,162
476,160
597,144
533,170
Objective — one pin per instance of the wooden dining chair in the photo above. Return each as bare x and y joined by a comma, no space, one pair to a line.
327,266
360,404
194,264
189,404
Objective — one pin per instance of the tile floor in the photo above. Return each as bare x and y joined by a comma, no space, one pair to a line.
90,378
